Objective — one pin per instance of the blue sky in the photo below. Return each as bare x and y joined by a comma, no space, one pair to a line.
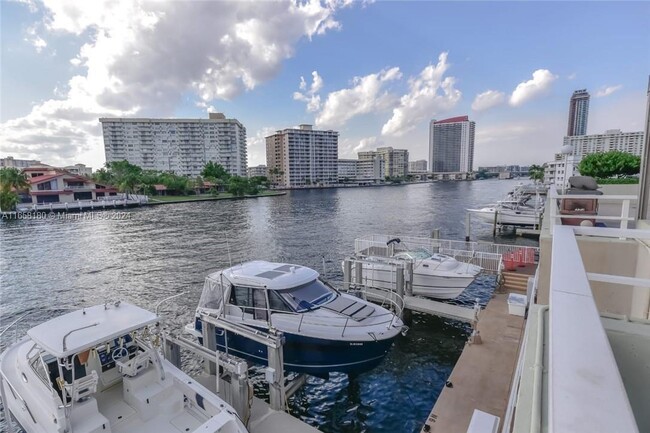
378,72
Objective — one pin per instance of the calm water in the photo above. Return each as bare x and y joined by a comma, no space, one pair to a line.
159,251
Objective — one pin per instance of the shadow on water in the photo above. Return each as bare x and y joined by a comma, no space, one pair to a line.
160,251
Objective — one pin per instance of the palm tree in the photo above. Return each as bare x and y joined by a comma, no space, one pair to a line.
11,181
536,172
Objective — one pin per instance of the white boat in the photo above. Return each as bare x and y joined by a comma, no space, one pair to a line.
524,206
324,330
434,275
96,370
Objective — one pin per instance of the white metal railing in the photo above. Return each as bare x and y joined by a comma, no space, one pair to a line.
485,254
625,201
586,391
99,203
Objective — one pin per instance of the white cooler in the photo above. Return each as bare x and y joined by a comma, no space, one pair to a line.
516,304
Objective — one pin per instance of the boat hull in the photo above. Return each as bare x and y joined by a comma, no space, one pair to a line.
444,286
508,217
310,355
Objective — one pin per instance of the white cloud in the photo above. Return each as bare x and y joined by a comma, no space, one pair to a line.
257,146
429,94
368,143
141,57
572,76
310,96
34,39
488,99
607,90
365,96
537,86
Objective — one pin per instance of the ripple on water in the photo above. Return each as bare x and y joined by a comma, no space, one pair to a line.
164,250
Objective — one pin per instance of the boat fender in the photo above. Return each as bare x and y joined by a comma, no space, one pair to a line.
394,240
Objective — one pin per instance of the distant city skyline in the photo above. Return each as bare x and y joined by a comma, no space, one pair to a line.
337,65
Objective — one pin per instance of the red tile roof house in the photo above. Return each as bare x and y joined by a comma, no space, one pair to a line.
64,187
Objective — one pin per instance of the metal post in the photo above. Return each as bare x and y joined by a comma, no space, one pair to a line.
399,281
408,279
239,389
358,272
276,385
435,233
494,227
172,353
210,343
468,226
347,274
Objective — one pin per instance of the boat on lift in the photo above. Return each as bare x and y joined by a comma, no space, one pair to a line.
523,206
435,275
97,370
325,330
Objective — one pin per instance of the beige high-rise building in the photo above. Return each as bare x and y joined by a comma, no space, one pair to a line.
183,146
302,157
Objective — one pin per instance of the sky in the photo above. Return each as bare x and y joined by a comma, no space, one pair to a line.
377,72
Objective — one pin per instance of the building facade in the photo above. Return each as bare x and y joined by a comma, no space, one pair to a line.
347,170
613,139
419,166
451,145
183,146
257,171
396,161
79,169
370,167
10,161
302,157
578,113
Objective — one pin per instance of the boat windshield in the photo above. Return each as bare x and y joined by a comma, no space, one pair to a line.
307,296
420,254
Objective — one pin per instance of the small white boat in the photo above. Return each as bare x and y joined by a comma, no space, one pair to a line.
96,370
325,330
434,275
524,206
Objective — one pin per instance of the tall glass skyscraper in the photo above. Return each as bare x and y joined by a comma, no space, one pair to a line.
578,113
451,145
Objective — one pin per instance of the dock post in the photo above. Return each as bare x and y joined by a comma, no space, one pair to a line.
399,283
435,233
172,352
407,315
240,396
494,227
347,274
275,374
358,273
210,343
468,226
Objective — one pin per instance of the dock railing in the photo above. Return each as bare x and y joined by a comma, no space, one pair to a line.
624,200
484,254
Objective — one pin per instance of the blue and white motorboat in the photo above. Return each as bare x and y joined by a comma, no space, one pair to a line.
325,330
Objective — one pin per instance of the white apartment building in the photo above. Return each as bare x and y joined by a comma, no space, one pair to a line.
612,139
79,169
419,166
370,167
347,170
302,157
183,146
559,171
259,170
396,161
10,161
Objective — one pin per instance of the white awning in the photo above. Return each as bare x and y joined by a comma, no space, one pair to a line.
87,328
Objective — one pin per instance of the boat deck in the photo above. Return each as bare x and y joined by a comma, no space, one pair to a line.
482,376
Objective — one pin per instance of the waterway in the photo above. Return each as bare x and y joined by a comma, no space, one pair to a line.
145,254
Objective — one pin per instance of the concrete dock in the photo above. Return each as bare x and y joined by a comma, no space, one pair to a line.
482,376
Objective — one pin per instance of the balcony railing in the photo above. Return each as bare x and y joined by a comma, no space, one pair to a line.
625,201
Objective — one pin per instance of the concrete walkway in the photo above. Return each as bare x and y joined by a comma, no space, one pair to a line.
482,376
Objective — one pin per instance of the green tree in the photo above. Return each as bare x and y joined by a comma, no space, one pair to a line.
238,186
12,181
610,164
215,171
536,172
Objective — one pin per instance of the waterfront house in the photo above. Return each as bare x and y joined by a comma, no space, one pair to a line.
58,186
